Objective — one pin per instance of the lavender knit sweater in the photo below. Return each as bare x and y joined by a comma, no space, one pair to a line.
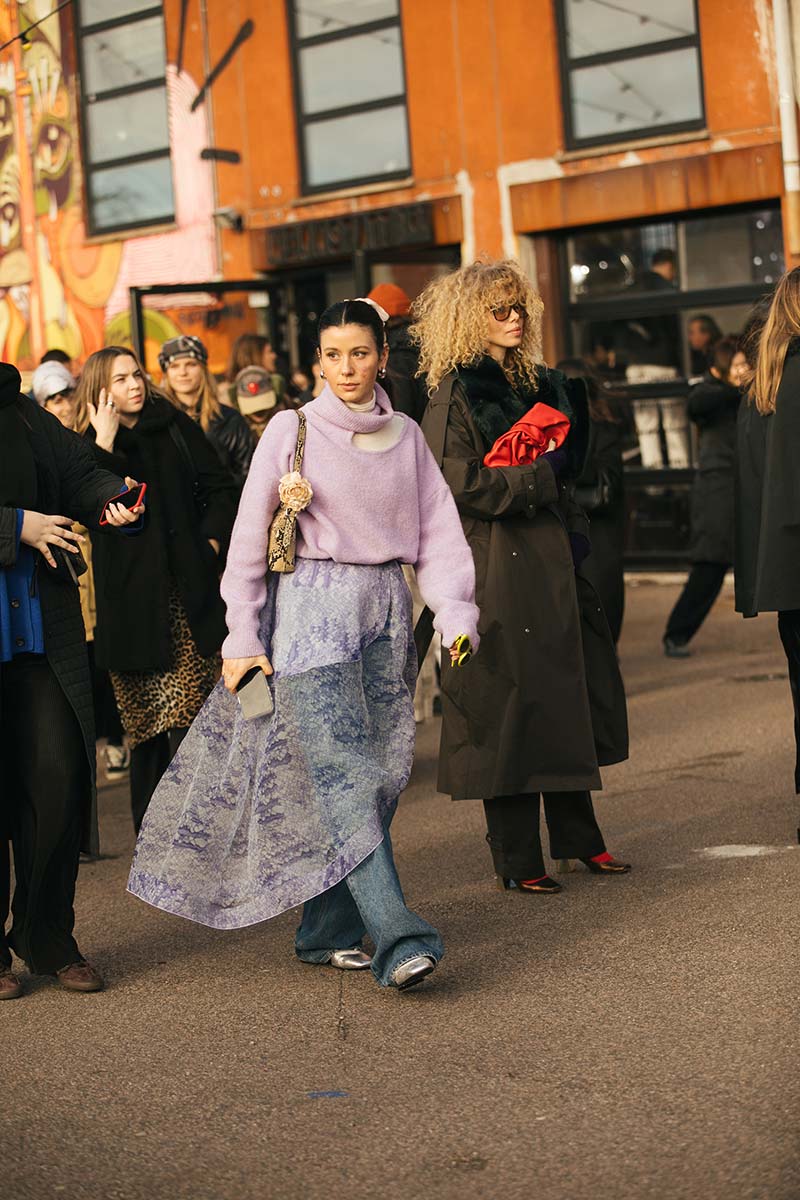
368,507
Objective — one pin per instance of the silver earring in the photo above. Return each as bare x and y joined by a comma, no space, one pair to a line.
322,374
382,373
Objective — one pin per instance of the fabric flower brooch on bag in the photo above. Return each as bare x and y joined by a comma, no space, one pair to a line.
295,492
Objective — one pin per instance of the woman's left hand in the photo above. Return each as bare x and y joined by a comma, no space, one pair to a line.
118,515
460,651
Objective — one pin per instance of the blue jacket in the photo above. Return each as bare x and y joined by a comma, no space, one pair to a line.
21,630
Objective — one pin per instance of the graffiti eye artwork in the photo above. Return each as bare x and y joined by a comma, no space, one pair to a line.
9,203
53,159
6,122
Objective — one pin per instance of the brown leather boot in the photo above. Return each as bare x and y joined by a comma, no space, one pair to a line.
80,977
10,986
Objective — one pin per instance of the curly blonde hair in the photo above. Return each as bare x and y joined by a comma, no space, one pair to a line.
450,321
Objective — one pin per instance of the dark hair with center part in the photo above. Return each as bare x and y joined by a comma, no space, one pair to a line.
353,312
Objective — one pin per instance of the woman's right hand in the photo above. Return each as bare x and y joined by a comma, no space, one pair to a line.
233,669
105,421
41,532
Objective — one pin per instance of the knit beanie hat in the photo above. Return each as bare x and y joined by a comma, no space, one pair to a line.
185,346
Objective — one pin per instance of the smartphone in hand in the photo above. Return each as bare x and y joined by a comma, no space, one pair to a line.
131,498
254,695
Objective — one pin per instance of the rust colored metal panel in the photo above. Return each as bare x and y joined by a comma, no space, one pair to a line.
550,285
448,227
735,177
701,181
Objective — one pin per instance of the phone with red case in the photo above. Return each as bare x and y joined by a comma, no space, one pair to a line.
131,498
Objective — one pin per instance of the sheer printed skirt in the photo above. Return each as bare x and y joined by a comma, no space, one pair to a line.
255,817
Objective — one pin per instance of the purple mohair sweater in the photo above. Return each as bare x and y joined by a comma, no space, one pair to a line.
368,507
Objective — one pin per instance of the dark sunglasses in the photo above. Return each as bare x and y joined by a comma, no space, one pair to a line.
504,311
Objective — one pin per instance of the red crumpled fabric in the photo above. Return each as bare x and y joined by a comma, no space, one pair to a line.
531,436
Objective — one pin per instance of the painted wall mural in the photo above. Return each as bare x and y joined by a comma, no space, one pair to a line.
58,290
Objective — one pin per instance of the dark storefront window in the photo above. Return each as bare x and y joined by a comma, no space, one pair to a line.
350,91
631,72
124,114
304,294
646,301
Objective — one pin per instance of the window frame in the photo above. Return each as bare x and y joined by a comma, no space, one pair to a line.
568,65
677,302
88,166
296,45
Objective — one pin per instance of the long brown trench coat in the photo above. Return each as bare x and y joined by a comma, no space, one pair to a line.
542,705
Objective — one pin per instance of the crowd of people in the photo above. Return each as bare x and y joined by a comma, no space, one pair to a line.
166,545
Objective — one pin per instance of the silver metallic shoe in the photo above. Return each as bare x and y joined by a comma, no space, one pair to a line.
412,972
349,960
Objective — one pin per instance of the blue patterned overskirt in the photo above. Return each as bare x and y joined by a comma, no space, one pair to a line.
255,817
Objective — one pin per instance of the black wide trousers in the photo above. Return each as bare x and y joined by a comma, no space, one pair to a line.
149,761
695,602
44,780
513,831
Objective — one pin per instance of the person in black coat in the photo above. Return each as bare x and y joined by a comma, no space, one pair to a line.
160,618
47,744
190,386
600,492
407,392
541,706
713,405
767,492
702,333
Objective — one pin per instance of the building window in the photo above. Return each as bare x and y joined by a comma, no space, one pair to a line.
350,91
634,290
122,59
629,69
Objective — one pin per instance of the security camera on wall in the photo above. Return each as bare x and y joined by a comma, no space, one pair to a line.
229,218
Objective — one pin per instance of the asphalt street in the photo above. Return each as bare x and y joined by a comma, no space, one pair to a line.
634,1037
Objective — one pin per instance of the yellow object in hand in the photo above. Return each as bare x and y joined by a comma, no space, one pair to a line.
462,650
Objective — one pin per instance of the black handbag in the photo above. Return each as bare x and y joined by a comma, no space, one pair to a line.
594,497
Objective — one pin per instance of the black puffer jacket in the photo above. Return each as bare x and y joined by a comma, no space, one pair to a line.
231,437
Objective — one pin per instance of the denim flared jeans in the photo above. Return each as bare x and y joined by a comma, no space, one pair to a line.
367,901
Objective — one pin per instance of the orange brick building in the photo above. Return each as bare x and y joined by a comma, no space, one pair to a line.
470,127
215,167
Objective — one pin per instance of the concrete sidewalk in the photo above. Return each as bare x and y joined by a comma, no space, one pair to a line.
634,1037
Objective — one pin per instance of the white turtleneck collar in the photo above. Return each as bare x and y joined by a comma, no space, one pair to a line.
365,406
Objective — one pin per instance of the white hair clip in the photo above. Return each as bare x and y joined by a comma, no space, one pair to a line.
382,313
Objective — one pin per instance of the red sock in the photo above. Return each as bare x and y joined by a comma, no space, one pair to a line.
605,857
538,880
